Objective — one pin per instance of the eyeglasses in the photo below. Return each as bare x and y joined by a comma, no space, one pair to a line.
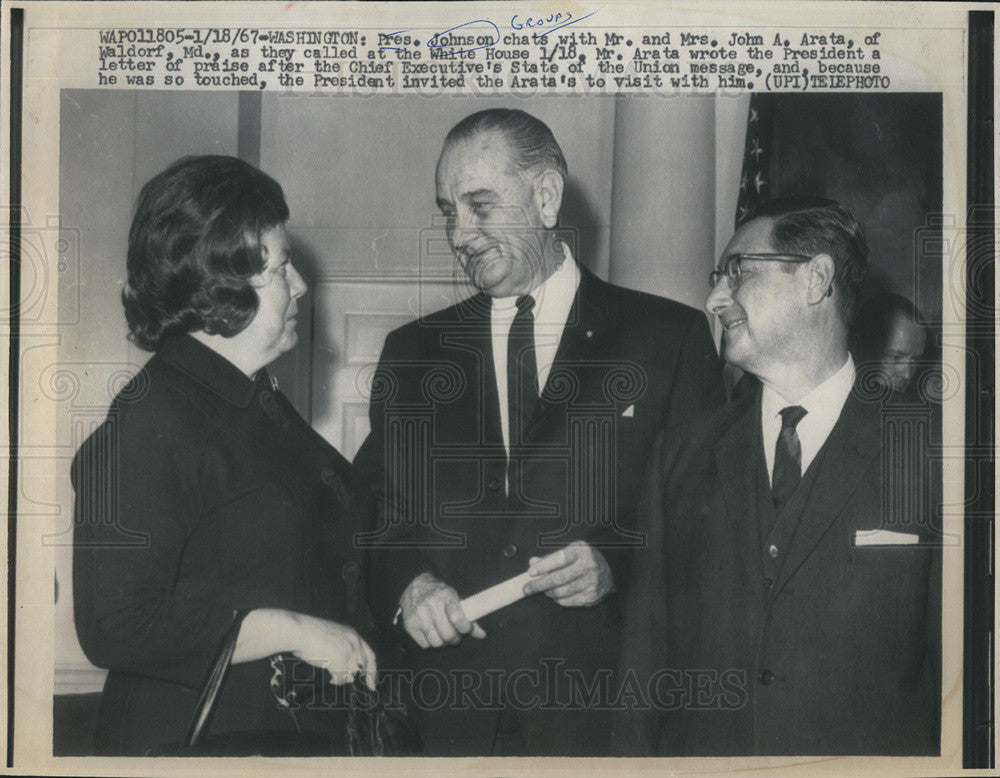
734,261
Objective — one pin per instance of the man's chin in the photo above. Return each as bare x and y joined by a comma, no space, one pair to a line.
737,357
491,276
731,346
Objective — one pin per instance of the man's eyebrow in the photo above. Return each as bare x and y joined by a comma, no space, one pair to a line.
478,194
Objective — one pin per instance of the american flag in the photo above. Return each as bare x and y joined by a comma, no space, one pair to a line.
754,184
755,189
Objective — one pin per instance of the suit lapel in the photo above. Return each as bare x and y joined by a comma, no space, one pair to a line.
843,460
492,432
587,327
735,456
473,341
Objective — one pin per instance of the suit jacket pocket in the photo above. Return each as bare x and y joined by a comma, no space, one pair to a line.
891,556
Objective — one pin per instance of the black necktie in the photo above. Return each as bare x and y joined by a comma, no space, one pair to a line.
522,369
787,457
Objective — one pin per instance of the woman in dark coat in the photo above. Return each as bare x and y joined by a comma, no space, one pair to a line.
204,494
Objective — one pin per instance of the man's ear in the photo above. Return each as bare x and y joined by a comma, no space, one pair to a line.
548,197
821,272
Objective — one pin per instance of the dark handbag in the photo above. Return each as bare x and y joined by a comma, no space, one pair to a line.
374,728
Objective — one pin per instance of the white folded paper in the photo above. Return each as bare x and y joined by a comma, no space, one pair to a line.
495,598
884,537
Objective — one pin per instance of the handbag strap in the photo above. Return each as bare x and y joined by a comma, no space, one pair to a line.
210,691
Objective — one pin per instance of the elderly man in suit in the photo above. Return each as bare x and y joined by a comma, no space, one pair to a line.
509,433
789,599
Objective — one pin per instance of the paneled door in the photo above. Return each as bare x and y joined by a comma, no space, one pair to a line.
329,381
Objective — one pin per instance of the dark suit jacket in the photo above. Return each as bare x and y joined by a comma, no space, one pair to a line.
627,364
202,494
827,648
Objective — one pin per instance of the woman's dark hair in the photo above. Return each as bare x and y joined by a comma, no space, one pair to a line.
193,247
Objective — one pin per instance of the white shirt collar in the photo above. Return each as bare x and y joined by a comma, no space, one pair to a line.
823,407
553,297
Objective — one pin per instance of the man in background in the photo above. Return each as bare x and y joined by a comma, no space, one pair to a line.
887,335
789,599
509,433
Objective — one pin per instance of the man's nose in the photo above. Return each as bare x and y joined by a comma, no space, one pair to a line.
719,297
460,230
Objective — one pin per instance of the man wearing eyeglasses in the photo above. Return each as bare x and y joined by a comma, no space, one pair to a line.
789,598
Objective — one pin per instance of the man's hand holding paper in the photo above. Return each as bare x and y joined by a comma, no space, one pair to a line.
574,576
432,614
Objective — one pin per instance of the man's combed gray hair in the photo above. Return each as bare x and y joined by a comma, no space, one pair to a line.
534,145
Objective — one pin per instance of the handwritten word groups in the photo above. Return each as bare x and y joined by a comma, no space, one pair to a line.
449,43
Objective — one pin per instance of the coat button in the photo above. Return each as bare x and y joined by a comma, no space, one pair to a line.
766,677
494,484
772,551
768,583
350,572
328,476
509,550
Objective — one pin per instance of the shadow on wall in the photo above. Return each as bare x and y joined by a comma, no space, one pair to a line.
881,154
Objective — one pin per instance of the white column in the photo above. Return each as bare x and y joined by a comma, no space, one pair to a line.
663,196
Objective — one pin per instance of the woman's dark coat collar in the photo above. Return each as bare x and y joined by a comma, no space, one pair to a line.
210,369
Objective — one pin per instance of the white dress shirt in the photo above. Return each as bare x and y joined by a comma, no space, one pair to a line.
823,406
553,300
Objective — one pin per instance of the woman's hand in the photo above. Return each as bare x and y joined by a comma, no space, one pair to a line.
336,647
